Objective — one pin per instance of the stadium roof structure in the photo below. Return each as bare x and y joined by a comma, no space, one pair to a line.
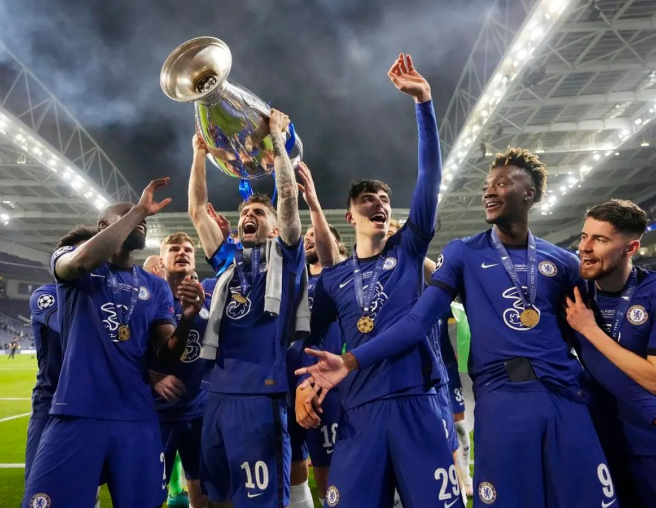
53,174
575,82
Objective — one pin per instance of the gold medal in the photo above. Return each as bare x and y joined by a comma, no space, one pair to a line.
365,324
529,318
239,298
123,333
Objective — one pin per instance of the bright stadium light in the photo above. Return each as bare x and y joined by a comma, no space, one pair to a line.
152,243
535,31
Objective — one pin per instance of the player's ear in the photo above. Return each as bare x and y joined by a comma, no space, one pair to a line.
633,247
103,224
349,218
274,232
529,195
161,263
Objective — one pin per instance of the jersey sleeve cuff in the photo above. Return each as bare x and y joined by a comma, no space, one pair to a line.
444,287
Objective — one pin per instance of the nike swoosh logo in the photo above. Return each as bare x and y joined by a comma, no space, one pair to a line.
345,283
96,275
483,265
328,452
449,505
604,504
254,495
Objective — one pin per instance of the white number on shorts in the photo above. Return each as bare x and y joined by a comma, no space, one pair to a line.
163,461
604,477
458,392
261,475
450,477
326,435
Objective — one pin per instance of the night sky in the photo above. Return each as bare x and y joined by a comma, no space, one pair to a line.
322,62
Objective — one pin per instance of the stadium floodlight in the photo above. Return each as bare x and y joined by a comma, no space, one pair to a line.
593,161
536,30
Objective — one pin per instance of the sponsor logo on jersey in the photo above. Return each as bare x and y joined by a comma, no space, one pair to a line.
45,301
637,315
487,493
389,263
40,500
438,262
192,349
547,268
511,315
237,310
332,496
144,294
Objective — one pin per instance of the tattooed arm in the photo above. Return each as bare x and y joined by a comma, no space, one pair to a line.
288,218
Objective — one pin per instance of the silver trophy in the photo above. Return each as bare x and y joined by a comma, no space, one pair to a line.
230,118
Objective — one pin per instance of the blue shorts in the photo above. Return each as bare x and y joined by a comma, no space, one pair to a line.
34,431
447,416
455,384
246,455
393,443
321,441
536,447
75,452
183,437
296,437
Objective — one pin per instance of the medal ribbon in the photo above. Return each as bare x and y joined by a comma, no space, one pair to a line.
122,316
528,298
624,302
255,269
365,299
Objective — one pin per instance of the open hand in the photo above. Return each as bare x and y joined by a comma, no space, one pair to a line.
408,80
147,201
221,221
192,297
307,188
327,373
579,316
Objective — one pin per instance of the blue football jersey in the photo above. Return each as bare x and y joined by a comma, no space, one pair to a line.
635,407
253,343
45,329
472,268
191,367
103,377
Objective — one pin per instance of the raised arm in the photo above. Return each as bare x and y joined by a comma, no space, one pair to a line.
94,252
324,241
289,221
208,230
424,199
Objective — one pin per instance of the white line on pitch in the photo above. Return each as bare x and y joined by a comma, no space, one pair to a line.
12,466
14,417
15,398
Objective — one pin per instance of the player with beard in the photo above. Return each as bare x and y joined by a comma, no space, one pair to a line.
620,351
103,420
366,295
180,402
535,442
322,245
246,455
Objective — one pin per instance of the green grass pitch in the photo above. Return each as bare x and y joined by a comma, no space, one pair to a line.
17,378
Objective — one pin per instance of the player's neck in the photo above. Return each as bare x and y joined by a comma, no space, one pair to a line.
174,280
316,269
513,233
122,259
369,246
616,280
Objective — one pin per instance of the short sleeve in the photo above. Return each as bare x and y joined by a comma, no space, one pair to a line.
43,307
293,255
447,274
165,312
